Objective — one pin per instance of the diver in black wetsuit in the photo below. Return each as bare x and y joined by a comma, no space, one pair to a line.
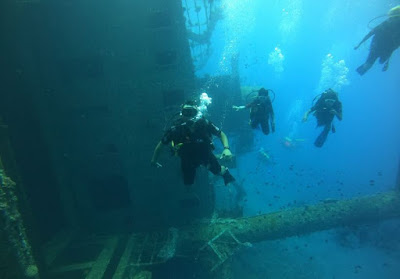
261,112
325,109
191,139
386,40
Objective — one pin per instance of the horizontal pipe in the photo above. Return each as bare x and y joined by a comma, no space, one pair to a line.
296,221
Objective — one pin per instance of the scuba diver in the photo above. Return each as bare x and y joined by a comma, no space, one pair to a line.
265,156
291,143
325,109
191,139
386,40
261,112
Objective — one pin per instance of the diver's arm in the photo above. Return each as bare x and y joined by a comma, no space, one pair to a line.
372,32
305,117
339,113
249,105
156,154
237,108
225,143
272,115
224,140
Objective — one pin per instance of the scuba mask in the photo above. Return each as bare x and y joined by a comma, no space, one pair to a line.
330,97
329,103
189,111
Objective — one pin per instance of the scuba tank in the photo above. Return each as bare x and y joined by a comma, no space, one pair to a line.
393,12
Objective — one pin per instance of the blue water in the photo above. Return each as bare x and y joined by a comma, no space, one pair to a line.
360,158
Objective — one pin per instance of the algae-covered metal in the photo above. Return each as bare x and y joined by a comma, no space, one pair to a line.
297,221
14,226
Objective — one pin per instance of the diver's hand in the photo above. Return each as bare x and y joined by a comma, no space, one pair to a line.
155,164
333,112
305,117
226,154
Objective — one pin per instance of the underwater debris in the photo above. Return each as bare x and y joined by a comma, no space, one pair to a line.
168,250
222,246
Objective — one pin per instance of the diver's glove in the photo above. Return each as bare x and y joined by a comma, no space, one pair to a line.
333,112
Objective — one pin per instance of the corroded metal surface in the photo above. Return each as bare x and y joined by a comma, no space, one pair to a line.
297,221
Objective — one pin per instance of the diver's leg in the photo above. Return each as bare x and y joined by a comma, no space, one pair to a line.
189,171
385,59
265,127
372,56
214,166
189,198
365,67
319,142
253,122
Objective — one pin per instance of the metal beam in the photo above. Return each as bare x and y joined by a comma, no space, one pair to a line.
214,242
296,221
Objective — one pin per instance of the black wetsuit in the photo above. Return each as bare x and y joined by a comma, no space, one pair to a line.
325,117
386,40
260,112
192,140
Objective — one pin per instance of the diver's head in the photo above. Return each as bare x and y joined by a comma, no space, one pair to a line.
329,98
263,92
330,94
189,109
